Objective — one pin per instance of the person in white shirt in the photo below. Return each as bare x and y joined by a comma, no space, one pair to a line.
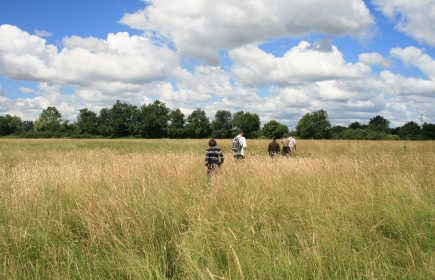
292,145
239,145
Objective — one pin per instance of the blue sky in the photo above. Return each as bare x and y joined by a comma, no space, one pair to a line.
280,59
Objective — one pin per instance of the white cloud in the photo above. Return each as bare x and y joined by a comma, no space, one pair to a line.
374,58
306,78
416,57
402,109
42,33
401,85
200,28
91,44
301,64
121,57
26,90
46,95
412,86
414,17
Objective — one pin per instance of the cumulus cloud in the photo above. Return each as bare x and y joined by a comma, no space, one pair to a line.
308,77
200,28
46,95
412,17
412,86
403,109
401,85
416,57
26,90
301,64
210,88
42,33
374,58
120,57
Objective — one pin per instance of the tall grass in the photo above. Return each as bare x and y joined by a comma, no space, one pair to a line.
143,209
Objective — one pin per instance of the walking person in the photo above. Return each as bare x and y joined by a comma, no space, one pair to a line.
292,145
273,148
214,158
285,145
239,146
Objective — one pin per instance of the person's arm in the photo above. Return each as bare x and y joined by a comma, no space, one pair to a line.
221,156
244,144
207,159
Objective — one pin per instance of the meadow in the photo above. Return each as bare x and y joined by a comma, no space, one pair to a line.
143,209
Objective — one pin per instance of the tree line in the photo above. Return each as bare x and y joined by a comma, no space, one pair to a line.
156,120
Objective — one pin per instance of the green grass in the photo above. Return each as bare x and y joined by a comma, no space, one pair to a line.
142,209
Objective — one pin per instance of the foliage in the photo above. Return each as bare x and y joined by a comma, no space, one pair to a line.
428,131
335,131
379,123
274,129
314,125
198,125
364,134
410,131
222,126
50,120
156,120
118,121
87,122
248,122
9,125
355,125
176,127
152,120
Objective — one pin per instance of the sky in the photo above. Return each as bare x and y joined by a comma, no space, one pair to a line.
277,58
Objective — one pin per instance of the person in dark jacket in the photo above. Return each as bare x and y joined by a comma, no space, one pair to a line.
214,158
273,148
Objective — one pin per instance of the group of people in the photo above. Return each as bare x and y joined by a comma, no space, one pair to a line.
288,146
214,156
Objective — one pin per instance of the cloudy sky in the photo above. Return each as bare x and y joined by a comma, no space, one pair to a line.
277,58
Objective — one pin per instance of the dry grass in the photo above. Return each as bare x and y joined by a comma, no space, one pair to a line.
135,209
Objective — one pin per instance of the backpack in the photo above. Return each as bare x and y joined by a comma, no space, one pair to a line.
236,146
213,157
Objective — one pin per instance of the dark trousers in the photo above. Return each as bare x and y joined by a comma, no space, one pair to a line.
286,151
239,157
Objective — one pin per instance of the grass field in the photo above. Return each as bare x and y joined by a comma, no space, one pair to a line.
142,209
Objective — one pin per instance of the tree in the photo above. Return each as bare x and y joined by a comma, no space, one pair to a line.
9,125
222,125
26,127
152,120
355,125
68,127
410,131
176,127
249,123
428,131
379,123
314,125
117,121
336,131
50,120
198,125
87,122
104,122
274,129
